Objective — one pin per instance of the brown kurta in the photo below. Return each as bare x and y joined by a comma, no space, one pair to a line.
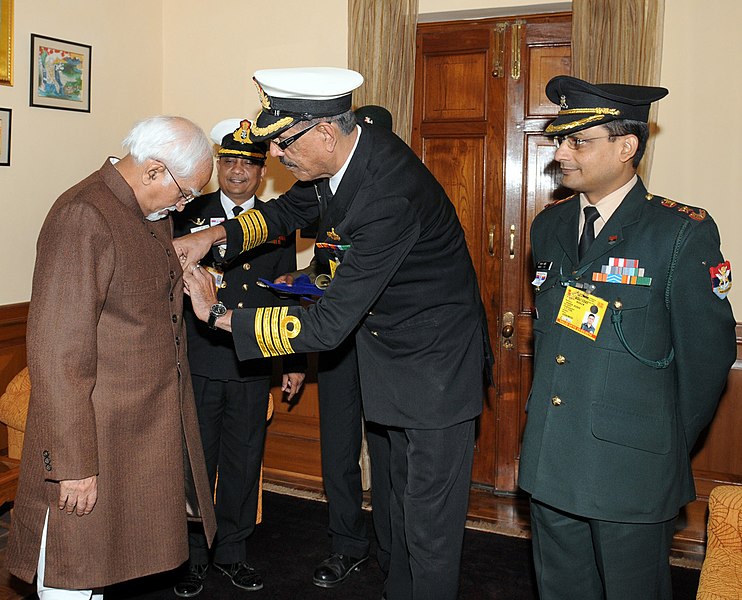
110,394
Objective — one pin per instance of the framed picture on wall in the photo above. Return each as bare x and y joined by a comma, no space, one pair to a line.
5,114
60,74
6,42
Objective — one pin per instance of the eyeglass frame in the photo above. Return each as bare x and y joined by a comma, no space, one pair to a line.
283,144
574,143
185,197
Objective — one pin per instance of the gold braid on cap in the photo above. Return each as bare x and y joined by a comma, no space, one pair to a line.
272,128
225,151
597,115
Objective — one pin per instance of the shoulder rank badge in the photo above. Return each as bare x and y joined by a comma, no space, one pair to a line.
721,279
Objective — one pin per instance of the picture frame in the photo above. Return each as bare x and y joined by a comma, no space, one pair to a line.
5,123
6,42
60,74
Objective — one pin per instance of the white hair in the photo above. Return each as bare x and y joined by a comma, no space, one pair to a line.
179,143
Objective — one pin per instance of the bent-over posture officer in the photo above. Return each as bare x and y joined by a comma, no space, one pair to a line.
232,395
403,284
341,426
614,413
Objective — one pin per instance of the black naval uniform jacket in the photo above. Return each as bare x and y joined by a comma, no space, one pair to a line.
405,276
608,436
211,353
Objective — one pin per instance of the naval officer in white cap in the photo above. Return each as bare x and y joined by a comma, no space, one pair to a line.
403,284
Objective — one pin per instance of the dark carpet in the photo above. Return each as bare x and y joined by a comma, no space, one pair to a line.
292,539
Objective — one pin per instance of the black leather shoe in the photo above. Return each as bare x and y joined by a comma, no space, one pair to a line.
335,568
242,575
192,583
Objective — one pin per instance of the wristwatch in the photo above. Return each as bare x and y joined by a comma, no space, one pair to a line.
217,310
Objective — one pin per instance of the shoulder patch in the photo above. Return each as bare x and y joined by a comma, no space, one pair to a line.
692,212
557,202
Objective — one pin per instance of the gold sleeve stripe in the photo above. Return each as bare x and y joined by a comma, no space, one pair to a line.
254,229
273,329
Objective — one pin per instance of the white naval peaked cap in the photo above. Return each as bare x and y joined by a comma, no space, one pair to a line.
288,96
222,128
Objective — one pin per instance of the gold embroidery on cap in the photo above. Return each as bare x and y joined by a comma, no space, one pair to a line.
590,111
572,124
272,128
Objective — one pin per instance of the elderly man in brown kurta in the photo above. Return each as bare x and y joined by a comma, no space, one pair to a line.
112,437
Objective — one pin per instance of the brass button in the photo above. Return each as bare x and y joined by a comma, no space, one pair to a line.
617,304
560,359
556,400
246,266
223,285
240,305
375,333
245,286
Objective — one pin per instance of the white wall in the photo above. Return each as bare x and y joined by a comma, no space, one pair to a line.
53,149
210,50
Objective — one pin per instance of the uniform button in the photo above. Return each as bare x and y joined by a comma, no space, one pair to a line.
371,313
376,333
223,285
246,266
167,251
240,305
177,341
48,467
47,460
172,274
617,304
556,400
245,286
175,318
45,453
153,234
560,360
171,297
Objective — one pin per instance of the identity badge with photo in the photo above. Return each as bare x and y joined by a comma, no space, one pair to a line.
582,312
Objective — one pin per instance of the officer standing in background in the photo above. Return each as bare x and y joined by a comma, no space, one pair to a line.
607,464
232,395
404,286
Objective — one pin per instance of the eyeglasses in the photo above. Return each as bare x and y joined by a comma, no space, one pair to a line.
283,144
574,143
185,197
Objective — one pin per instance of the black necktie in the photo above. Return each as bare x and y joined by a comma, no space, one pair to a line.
325,197
237,209
588,232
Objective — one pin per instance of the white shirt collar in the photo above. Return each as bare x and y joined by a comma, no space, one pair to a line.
228,205
337,177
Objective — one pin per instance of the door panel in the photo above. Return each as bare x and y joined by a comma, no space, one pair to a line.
480,113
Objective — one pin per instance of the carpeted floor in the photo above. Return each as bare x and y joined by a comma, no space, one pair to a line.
293,539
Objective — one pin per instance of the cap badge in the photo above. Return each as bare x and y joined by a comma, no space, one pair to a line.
265,100
563,101
242,134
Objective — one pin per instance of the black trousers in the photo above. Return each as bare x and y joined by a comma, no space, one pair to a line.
591,559
232,419
341,432
431,475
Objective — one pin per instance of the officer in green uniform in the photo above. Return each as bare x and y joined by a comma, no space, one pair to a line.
614,413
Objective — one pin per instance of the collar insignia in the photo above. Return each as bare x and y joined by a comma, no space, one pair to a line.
332,235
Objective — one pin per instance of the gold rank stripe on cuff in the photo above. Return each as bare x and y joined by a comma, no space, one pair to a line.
274,327
254,229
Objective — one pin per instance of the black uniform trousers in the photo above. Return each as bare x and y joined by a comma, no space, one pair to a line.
590,559
341,435
430,475
232,417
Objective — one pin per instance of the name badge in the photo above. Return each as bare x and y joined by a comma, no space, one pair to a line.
581,312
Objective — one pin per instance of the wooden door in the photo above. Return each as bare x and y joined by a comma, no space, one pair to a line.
480,110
